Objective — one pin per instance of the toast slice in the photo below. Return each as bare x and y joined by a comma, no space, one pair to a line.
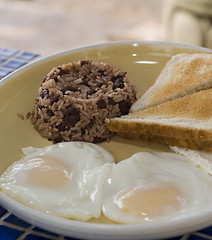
183,74
200,159
184,122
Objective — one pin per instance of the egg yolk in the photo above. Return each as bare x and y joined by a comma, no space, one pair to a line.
46,172
148,204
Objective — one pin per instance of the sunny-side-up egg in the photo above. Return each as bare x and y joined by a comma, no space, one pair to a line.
152,187
64,179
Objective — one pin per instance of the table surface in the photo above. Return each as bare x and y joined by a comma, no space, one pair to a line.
12,227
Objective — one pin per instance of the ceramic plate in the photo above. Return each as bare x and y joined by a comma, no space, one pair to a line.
143,62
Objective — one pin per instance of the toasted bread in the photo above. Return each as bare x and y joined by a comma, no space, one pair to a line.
184,74
184,122
200,159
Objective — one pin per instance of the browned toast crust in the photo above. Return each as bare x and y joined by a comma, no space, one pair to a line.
176,122
171,141
167,134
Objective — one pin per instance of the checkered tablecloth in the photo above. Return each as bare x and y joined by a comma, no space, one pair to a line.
12,227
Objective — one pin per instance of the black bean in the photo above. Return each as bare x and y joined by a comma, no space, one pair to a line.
70,120
84,62
58,139
72,116
71,110
92,91
55,79
91,123
101,103
101,72
63,90
72,89
118,83
83,131
44,92
61,128
40,107
122,74
85,81
62,72
99,84
124,107
49,112
53,99
113,79
111,101
98,139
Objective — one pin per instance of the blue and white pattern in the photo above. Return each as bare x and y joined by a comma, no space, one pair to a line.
12,59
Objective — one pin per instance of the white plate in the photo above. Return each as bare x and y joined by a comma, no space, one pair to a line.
143,61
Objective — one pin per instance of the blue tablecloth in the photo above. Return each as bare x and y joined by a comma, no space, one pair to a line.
12,227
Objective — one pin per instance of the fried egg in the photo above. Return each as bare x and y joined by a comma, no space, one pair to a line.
152,187
64,179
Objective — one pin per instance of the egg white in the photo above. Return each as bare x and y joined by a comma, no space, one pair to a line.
77,172
84,180
152,172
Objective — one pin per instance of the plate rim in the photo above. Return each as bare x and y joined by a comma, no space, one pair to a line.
41,59
88,230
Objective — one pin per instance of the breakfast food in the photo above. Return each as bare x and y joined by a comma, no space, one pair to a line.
183,74
176,110
63,180
185,122
75,98
151,188
80,181
200,159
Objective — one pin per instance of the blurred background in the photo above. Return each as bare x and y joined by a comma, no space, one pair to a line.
50,26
